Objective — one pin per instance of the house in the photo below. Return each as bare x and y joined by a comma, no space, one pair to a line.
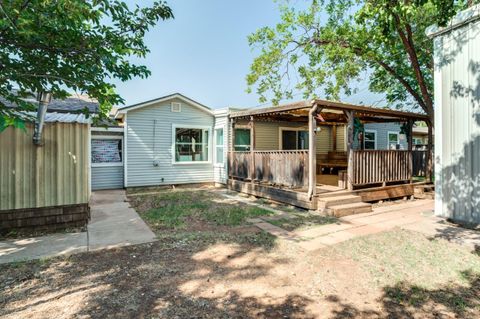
47,186
177,140
457,117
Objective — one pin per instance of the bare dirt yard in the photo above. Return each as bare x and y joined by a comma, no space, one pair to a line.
209,262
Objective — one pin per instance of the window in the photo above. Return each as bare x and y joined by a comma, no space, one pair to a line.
191,144
370,140
106,151
417,141
393,140
219,146
294,139
242,139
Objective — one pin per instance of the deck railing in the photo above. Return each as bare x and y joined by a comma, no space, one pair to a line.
282,167
381,166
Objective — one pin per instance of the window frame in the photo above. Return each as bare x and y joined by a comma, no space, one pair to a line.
221,127
189,126
107,137
296,129
388,139
374,141
242,127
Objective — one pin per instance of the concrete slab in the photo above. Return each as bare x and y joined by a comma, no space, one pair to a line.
113,224
42,247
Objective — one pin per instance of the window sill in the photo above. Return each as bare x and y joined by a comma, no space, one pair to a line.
106,164
192,163
220,165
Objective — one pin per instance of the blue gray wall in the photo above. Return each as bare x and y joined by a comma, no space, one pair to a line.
382,130
149,139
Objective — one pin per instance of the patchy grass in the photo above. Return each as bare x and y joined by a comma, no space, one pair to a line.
175,209
301,221
402,255
201,215
414,271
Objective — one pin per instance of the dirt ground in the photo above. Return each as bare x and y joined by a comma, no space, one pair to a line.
240,272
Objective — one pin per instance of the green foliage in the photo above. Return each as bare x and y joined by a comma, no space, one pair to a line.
71,45
326,47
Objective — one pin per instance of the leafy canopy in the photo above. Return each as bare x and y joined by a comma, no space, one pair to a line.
61,46
323,49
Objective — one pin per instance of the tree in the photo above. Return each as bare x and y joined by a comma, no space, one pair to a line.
62,45
333,43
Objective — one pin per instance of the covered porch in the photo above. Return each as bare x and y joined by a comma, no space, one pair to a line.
299,173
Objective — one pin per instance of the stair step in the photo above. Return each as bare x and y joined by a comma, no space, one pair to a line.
327,202
334,194
350,209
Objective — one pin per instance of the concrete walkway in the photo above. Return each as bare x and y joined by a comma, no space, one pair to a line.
113,224
414,215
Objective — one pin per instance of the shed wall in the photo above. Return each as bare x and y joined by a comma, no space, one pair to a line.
50,175
457,123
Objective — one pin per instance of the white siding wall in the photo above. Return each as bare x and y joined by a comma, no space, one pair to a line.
149,138
457,120
220,171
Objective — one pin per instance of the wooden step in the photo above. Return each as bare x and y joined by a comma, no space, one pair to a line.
334,194
350,209
327,202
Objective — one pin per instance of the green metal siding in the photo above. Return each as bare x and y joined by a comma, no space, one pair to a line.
50,175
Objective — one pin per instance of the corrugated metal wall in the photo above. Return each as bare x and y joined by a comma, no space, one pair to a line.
53,174
457,122
149,138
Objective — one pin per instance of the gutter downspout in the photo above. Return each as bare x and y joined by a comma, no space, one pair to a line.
43,99
311,150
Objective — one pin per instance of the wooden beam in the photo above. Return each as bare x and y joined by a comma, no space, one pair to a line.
334,137
350,118
251,124
410,134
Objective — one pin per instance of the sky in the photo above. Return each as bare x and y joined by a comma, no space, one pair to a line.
204,54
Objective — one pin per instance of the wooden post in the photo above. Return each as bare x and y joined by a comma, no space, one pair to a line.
350,118
312,151
334,137
231,146
429,172
410,135
410,148
251,124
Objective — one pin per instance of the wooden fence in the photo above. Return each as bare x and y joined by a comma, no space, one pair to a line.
284,168
374,166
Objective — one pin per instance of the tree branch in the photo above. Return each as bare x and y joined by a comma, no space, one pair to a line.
384,65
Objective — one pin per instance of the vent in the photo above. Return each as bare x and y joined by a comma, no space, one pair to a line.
176,107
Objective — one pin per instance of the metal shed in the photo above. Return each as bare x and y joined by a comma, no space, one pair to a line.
457,117
48,185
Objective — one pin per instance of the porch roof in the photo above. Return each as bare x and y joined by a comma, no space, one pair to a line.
332,112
